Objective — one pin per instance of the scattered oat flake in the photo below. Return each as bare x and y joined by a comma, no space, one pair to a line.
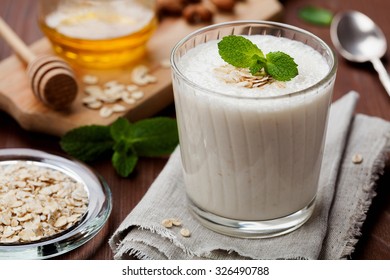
95,105
117,93
176,222
151,79
105,112
357,158
113,90
167,223
117,108
140,76
111,84
137,94
128,99
90,79
89,99
185,232
93,90
132,88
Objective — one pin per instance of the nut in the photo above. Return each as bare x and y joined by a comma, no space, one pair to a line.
224,5
197,13
170,7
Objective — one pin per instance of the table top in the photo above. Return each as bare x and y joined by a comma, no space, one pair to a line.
375,240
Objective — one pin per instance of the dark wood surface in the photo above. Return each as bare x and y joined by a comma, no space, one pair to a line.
375,240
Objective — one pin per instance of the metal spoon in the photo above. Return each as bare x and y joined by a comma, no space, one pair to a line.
359,39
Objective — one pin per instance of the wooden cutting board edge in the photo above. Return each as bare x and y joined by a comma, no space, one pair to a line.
17,99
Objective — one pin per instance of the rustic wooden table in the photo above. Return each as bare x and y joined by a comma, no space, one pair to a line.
375,240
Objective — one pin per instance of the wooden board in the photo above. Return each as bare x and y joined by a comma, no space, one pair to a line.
17,99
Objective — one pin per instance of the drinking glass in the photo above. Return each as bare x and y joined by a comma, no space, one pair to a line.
251,163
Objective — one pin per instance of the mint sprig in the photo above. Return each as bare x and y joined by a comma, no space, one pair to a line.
316,15
124,141
241,52
88,143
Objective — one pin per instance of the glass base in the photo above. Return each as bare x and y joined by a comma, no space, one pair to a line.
253,229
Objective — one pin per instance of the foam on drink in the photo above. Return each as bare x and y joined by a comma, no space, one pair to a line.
199,66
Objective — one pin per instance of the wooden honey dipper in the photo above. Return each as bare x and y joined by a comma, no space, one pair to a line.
52,80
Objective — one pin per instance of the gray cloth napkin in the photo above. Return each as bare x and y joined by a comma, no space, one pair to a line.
344,196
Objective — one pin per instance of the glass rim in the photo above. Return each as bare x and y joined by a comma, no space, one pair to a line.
325,80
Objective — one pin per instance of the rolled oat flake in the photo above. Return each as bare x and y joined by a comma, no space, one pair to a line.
357,158
38,202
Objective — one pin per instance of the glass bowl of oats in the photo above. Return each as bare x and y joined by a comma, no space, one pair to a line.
49,205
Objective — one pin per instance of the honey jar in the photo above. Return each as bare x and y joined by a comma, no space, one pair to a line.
98,33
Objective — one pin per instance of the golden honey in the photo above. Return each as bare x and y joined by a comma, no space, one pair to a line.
100,34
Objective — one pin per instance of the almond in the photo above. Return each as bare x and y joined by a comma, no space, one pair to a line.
197,13
170,7
224,5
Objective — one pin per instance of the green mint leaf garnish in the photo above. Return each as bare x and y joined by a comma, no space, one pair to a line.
125,141
88,143
258,63
316,16
241,52
281,66
238,51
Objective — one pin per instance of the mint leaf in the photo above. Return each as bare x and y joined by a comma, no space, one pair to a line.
120,129
123,146
239,51
124,163
123,140
154,137
87,143
281,66
315,15
257,64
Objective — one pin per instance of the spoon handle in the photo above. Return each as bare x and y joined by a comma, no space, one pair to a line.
383,75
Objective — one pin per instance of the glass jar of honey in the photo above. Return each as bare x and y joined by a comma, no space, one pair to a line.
98,33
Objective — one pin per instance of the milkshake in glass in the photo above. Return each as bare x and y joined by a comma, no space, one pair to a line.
252,149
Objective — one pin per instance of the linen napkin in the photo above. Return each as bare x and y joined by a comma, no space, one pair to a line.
345,193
